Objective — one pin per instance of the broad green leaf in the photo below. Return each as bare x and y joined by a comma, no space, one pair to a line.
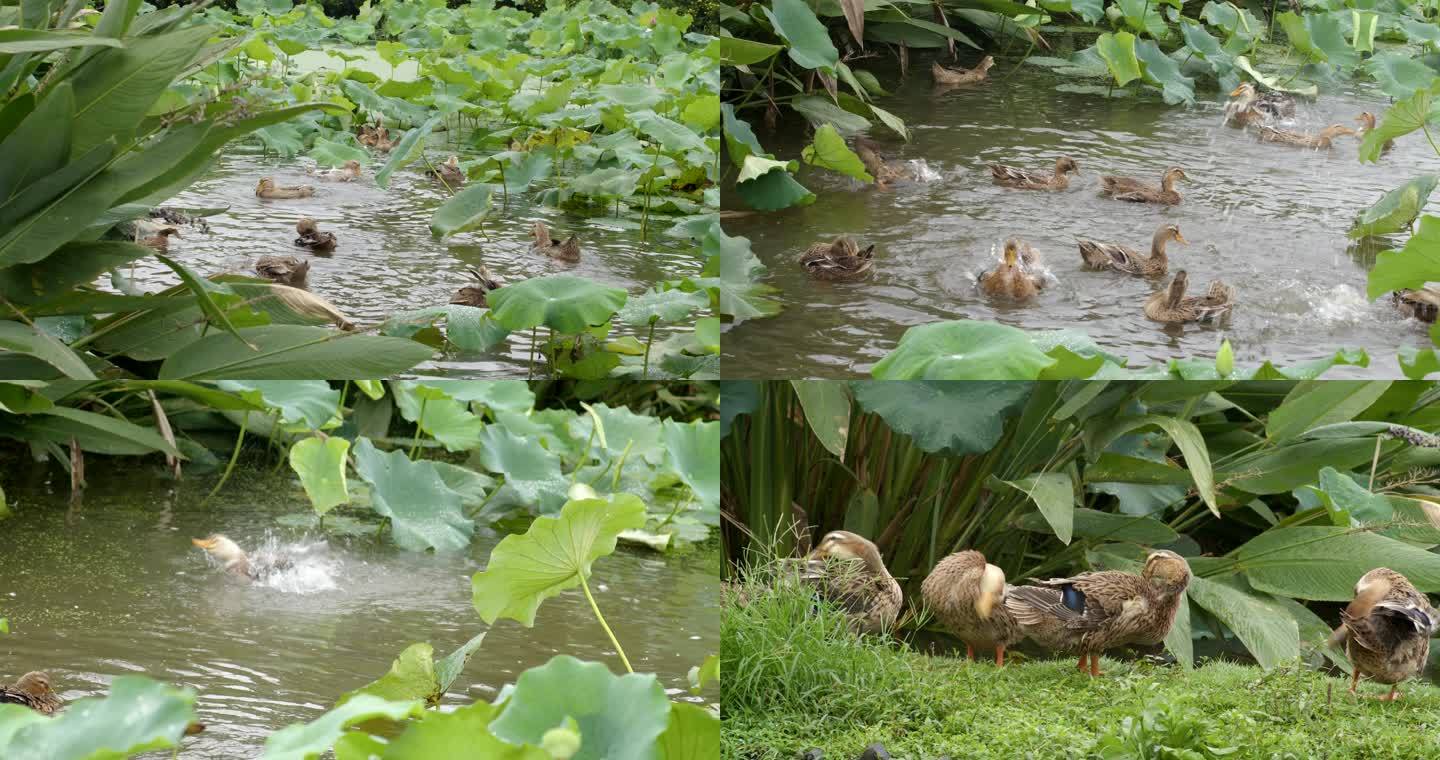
1401,119
829,151
810,44
136,716
1187,438
1323,563
1314,403
821,111
24,339
320,463
736,51
461,734
944,417
619,717
1342,494
660,306
1107,526
1273,83
963,350
306,741
443,418
1396,210
95,432
564,303
532,472
466,211
117,86
692,449
555,554
827,408
1400,75
424,512
407,150
331,153
672,135
411,676
312,404
1284,468
1118,51
1164,71
693,734
14,41
449,667
1417,263
1054,494
1266,629
293,351
1363,25
773,189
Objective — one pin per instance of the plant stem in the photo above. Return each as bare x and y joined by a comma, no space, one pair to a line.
530,371
234,455
419,433
593,606
649,338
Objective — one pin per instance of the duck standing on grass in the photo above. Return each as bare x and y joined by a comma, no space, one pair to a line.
848,571
236,561
1093,612
33,691
966,594
1386,630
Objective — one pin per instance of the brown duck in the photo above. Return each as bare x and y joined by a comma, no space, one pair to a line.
848,571
311,238
1386,630
347,172
449,172
286,270
885,171
980,73
1010,176
1421,303
474,294
1321,141
33,691
966,593
1137,191
159,241
840,260
1013,278
1093,612
1173,306
1123,258
566,251
1248,107
1367,124
268,189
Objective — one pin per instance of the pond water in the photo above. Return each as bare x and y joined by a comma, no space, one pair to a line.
387,262
113,587
1270,220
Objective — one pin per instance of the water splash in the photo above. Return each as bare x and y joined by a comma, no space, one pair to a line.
1338,304
922,170
304,566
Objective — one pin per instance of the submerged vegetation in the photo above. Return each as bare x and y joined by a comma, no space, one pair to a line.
590,108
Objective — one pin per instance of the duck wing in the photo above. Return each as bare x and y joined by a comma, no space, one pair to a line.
1109,256
1011,175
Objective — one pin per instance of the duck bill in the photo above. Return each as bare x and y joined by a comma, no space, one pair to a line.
204,543
1181,239
1235,93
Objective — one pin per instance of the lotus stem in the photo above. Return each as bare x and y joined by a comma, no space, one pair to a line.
419,431
596,608
649,338
234,455
534,333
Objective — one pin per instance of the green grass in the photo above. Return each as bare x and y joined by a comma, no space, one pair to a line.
795,679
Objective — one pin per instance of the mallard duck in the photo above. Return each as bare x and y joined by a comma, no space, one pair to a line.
1010,176
33,691
286,270
1172,305
842,259
1321,141
566,251
858,583
268,189
1123,258
1421,303
1131,189
312,238
1386,630
474,294
885,171
966,595
383,143
1367,125
1093,612
158,238
1013,278
369,136
236,561
980,73
449,172
347,172
1248,107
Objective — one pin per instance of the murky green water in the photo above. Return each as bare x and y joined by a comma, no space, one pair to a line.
113,587
387,262
1270,220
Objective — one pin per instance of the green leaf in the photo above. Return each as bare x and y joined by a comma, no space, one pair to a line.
443,418
1118,51
1395,210
1323,563
1266,629
98,433
660,306
532,473
1410,267
309,403
1164,71
821,111
772,188
137,715
411,676
1186,437
691,452
619,717
331,153
963,350
24,339
1342,494
810,44
555,554
1054,494
1272,83
693,734
740,140
1106,526
943,417
461,734
564,303
407,150
1401,119
1284,468
466,211
293,351
449,668
827,408
14,41
305,741
1313,403
424,512
320,463
736,51
672,135
829,151
1400,75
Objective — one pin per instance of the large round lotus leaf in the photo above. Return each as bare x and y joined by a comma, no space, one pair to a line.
963,350
138,715
694,733
462,734
619,717
303,741
563,303
954,418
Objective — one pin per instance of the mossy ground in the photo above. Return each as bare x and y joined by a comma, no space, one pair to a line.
795,679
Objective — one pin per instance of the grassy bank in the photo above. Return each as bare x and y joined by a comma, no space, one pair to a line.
796,679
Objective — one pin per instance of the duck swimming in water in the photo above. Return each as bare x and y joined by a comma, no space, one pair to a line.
236,561
32,690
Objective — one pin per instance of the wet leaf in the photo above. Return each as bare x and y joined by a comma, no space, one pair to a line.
661,306
564,303
407,150
619,717
1308,90
963,350
773,190
329,153
467,210
306,741
553,555
136,716
532,473
829,151
1401,119
411,676
441,417
1162,70
424,512
1118,51
1396,210
320,463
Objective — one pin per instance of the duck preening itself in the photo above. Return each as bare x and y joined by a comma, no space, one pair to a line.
1386,630
311,238
236,561
842,259
566,251
966,594
33,691
1173,306
1014,277
848,571
286,270
474,293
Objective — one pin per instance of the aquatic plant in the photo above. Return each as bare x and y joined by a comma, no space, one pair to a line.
1049,477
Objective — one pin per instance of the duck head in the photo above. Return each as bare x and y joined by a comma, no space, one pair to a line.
221,548
1164,566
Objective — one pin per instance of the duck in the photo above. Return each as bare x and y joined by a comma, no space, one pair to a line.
312,238
1123,258
1172,305
566,251
236,561
369,136
1092,612
885,171
286,270
1010,176
1421,303
1385,631
33,691
1014,278
1321,141
966,594
449,172
848,570
1248,107
841,260
1366,121
268,189
980,73
158,239
1137,191
347,172
474,294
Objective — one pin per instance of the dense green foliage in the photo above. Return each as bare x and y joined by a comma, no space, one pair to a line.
1278,493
